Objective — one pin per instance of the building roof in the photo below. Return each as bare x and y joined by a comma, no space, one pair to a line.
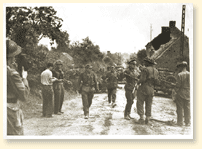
162,48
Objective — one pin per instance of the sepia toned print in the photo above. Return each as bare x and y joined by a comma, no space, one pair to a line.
99,71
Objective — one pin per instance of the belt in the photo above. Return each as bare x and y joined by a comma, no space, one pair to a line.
11,100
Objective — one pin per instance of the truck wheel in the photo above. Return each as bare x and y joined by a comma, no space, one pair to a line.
171,79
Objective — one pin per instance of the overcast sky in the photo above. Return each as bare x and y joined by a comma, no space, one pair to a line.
121,27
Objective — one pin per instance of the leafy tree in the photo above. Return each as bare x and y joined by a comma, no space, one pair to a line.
27,25
85,52
133,56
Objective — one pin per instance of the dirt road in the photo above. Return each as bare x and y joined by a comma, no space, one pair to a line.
105,120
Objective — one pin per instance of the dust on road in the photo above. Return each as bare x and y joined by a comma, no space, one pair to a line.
105,120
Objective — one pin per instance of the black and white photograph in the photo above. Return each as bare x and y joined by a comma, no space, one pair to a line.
98,71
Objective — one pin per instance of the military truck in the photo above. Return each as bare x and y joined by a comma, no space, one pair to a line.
167,79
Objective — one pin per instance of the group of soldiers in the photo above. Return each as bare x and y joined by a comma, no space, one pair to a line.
139,83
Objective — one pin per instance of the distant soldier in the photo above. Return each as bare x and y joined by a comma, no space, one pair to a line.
131,81
88,85
58,87
76,79
17,90
99,78
183,94
112,83
145,93
104,83
120,74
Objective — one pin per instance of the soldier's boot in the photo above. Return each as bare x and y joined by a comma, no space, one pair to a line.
130,116
86,115
113,104
147,120
141,120
187,124
126,116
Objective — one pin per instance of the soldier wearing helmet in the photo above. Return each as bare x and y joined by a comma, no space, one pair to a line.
145,92
183,94
112,83
88,85
58,87
17,89
131,80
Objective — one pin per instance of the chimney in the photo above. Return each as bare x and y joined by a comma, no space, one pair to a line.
108,52
172,24
165,30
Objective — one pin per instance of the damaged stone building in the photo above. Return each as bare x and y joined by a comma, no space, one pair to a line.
165,48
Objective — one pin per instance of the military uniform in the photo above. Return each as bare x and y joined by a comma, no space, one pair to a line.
145,93
58,89
76,79
88,85
112,82
183,96
104,83
16,90
131,81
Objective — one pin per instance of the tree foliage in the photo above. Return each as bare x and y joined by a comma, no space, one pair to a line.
27,25
85,52
116,58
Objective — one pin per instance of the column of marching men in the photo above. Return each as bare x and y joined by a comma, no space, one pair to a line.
140,82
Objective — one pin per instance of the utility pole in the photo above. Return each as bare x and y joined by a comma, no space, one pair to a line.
151,32
182,30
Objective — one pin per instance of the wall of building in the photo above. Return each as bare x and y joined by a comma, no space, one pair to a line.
169,58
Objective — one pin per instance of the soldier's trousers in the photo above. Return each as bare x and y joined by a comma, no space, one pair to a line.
87,101
141,99
129,97
183,104
111,95
58,97
14,122
47,94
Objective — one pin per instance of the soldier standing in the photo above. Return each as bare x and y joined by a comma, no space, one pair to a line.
88,85
183,94
145,93
58,87
76,77
112,82
17,89
131,81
